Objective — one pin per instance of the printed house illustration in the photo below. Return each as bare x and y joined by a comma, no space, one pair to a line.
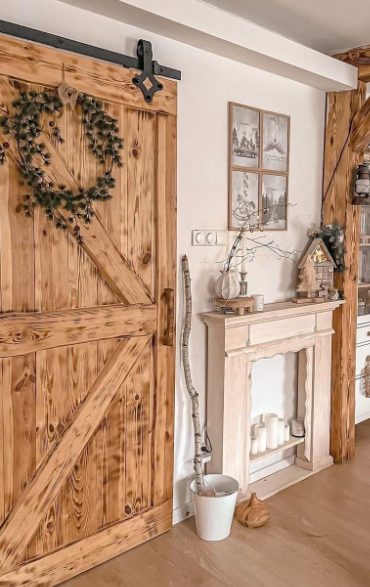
324,266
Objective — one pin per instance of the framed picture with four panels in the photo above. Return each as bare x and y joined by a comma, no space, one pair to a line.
258,168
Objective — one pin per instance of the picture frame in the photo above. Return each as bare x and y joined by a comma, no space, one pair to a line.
259,144
275,142
244,201
245,137
274,192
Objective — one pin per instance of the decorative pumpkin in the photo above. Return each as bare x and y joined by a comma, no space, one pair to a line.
252,512
227,285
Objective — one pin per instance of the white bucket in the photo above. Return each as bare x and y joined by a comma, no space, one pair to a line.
214,515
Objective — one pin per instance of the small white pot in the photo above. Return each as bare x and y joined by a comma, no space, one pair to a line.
214,515
227,285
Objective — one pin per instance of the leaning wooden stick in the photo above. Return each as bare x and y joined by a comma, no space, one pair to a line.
189,382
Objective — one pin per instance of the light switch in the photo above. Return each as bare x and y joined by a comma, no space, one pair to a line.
199,237
209,238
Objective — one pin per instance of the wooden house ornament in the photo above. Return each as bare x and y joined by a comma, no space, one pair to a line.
316,271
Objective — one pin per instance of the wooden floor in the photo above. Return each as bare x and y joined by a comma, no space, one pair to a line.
318,536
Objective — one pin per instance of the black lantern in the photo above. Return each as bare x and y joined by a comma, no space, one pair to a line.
361,185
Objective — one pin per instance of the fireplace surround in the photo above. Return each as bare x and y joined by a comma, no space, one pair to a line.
235,343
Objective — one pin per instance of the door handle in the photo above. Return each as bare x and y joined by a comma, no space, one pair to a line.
169,298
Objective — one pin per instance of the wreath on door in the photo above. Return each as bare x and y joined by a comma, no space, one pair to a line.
33,110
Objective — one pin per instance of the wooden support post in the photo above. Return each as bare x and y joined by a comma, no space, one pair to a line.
342,107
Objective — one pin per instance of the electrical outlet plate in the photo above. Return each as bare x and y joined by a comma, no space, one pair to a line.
209,238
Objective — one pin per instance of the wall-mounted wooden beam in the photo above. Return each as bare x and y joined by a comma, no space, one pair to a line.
360,136
343,107
360,57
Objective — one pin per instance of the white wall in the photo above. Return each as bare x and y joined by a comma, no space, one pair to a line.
209,83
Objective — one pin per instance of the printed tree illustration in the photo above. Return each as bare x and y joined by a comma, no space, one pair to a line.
256,139
307,278
235,139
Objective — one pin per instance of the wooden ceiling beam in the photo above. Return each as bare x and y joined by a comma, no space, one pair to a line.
360,57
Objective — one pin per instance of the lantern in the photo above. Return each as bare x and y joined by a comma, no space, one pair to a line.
361,185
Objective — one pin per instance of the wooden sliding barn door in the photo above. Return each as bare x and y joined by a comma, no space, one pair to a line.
86,335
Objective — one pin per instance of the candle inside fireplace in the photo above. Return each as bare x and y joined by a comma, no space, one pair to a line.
254,445
287,433
272,429
260,433
281,431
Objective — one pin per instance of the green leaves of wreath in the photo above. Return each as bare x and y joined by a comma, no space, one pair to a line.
31,111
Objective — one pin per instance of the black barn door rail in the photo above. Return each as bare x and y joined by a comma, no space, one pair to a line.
143,62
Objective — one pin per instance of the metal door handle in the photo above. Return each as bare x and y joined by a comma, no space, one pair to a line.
169,297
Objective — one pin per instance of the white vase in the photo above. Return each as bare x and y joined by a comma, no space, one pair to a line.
227,285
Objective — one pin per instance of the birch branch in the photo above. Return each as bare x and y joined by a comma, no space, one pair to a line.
194,396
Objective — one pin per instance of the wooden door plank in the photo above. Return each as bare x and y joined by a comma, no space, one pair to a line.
17,243
26,333
138,436
7,435
94,550
52,417
34,63
23,388
140,146
108,444
40,493
166,278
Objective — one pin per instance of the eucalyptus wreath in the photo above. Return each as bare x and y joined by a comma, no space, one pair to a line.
32,110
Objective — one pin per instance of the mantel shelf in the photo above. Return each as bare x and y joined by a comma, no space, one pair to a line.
288,444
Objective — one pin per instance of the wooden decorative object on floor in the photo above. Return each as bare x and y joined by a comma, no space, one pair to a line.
252,512
239,305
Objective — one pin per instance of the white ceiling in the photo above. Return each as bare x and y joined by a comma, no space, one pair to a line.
329,26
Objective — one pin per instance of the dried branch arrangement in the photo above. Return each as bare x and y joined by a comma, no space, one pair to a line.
237,255
194,396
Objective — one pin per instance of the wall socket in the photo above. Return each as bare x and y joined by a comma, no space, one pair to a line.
209,238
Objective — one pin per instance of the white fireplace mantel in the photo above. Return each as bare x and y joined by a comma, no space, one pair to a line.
234,344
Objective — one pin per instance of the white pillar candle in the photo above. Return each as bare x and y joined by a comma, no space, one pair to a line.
254,429
281,431
261,433
272,424
244,263
287,433
254,445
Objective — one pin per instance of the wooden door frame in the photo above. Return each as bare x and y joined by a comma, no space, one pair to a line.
347,135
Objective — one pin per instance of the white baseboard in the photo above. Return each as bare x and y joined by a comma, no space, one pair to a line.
182,512
362,417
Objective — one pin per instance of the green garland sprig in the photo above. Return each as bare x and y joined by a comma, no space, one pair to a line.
31,110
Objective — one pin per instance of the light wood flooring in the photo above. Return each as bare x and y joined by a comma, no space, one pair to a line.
318,536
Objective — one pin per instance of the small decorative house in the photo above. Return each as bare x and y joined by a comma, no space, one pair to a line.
324,266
